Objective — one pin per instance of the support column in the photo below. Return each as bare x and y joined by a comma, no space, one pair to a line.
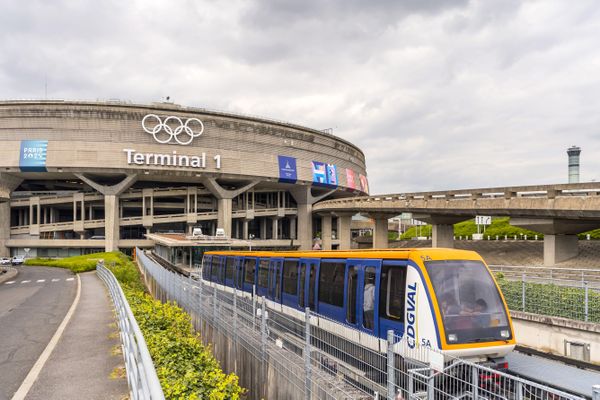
560,236
224,210
225,201
344,232
559,248
442,235
111,207
275,228
4,228
305,200
380,233
245,230
293,228
326,231
111,222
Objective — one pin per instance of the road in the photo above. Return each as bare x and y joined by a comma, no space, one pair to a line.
32,306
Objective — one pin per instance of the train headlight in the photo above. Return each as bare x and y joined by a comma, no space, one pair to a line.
505,333
452,337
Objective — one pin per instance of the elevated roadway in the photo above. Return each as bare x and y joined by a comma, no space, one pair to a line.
560,212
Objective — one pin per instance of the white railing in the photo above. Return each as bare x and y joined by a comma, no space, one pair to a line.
141,375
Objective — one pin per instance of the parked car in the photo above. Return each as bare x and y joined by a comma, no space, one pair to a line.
17,260
5,261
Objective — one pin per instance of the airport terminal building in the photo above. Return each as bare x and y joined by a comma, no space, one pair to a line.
78,177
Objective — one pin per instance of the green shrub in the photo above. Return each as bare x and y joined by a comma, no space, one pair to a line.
82,263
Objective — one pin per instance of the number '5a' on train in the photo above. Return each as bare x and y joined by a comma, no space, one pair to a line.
444,299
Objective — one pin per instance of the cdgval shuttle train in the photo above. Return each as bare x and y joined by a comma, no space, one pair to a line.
445,299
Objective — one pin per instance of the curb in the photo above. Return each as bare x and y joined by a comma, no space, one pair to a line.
11,273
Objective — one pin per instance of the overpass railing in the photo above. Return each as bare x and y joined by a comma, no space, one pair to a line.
555,292
320,359
141,375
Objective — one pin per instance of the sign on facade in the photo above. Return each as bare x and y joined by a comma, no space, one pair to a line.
287,169
33,155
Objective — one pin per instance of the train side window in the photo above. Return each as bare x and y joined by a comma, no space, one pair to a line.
392,290
214,270
278,281
206,261
263,272
290,277
301,289
352,287
229,268
331,283
249,267
222,269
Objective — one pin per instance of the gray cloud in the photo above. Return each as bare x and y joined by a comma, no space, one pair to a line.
438,94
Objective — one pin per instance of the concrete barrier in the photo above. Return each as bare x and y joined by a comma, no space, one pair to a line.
558,336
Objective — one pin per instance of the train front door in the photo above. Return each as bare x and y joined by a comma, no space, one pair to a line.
362,294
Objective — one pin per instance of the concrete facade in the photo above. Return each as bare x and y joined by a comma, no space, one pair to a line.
106,181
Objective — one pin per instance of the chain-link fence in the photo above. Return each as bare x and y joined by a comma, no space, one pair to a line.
318,358
573,294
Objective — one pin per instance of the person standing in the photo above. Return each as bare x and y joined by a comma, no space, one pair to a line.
369,301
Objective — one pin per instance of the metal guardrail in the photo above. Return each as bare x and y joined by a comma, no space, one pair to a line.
320,359
554,292
141,375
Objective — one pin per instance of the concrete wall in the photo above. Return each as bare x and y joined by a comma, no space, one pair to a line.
548,334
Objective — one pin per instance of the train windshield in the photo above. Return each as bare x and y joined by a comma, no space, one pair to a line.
470,304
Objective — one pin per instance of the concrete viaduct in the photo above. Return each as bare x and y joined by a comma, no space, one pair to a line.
560,212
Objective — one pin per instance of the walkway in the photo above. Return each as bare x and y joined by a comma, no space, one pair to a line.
83,364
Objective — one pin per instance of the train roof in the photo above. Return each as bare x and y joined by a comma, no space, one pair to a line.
388,254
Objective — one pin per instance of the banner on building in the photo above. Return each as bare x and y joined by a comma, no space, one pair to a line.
350,179
364,183
287,169
33,155
324,174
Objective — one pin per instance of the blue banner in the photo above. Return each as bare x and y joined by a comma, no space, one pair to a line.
33,155
287,169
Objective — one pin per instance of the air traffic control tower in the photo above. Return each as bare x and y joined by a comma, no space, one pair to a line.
573,153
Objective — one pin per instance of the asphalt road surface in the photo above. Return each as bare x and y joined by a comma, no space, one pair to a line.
32,306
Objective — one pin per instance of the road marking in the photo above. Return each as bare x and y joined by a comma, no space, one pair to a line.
41,280
55,280
9,282
25,281
39,364
70,279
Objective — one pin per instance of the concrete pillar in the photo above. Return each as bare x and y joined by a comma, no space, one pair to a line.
275,228
442,235
326,232
245,229
224,215
304,226
344,233
111,225
380,233
559,248
4,228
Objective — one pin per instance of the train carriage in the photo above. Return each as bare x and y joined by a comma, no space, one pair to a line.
444,299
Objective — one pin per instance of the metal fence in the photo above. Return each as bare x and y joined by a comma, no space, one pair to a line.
321,359
141,375
573,294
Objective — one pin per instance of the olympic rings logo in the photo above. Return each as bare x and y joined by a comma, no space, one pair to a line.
173,127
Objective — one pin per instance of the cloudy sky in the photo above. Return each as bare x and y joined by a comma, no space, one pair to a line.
439,94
